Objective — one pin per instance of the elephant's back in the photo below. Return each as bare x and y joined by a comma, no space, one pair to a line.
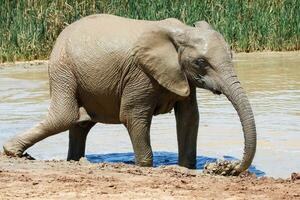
95,37
105,33
114,25
98,42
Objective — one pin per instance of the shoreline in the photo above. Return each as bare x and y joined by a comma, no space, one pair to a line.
235,56
56,179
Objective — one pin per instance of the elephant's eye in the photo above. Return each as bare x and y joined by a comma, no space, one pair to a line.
201,62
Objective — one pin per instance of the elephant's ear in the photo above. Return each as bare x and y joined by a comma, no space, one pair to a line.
157,56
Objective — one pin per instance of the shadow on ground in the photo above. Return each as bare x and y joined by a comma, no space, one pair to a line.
160,158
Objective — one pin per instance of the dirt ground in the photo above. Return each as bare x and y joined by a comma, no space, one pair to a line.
26,179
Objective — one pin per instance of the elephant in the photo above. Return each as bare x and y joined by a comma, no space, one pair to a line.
115,70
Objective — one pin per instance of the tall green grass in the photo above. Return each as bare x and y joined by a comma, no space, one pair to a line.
28,28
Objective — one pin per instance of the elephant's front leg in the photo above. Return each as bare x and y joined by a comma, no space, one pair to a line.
139,131
187,121
137,107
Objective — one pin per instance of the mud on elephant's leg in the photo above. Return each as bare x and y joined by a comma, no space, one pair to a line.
187,121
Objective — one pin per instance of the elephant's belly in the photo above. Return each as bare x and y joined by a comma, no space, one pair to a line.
102,118
103,109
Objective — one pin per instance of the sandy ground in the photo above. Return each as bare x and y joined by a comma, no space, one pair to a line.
25,179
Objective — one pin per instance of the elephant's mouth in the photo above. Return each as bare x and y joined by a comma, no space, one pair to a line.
208,84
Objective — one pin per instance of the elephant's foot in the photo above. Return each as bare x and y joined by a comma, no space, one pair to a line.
224,168
27,156
13,148
187,165
145,163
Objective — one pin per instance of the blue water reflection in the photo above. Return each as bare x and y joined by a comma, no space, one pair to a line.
160,158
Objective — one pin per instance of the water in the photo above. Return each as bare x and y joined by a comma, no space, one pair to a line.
272,82
161,158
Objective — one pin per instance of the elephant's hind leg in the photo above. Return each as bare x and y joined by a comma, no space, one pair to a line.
77,139
63,112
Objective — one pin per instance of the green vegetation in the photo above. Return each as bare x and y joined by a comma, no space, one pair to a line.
28,28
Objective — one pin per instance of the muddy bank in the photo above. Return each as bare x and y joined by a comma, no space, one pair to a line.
22,179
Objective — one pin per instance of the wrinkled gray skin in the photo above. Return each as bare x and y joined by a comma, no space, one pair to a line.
109,69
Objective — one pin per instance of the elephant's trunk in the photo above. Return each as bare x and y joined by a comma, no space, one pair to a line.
232,89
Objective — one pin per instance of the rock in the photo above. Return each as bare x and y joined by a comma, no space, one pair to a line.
224,168
35,183
83,160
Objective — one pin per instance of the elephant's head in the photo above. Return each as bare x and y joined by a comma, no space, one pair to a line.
200,56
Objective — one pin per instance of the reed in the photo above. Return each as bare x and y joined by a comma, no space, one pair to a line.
28,28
